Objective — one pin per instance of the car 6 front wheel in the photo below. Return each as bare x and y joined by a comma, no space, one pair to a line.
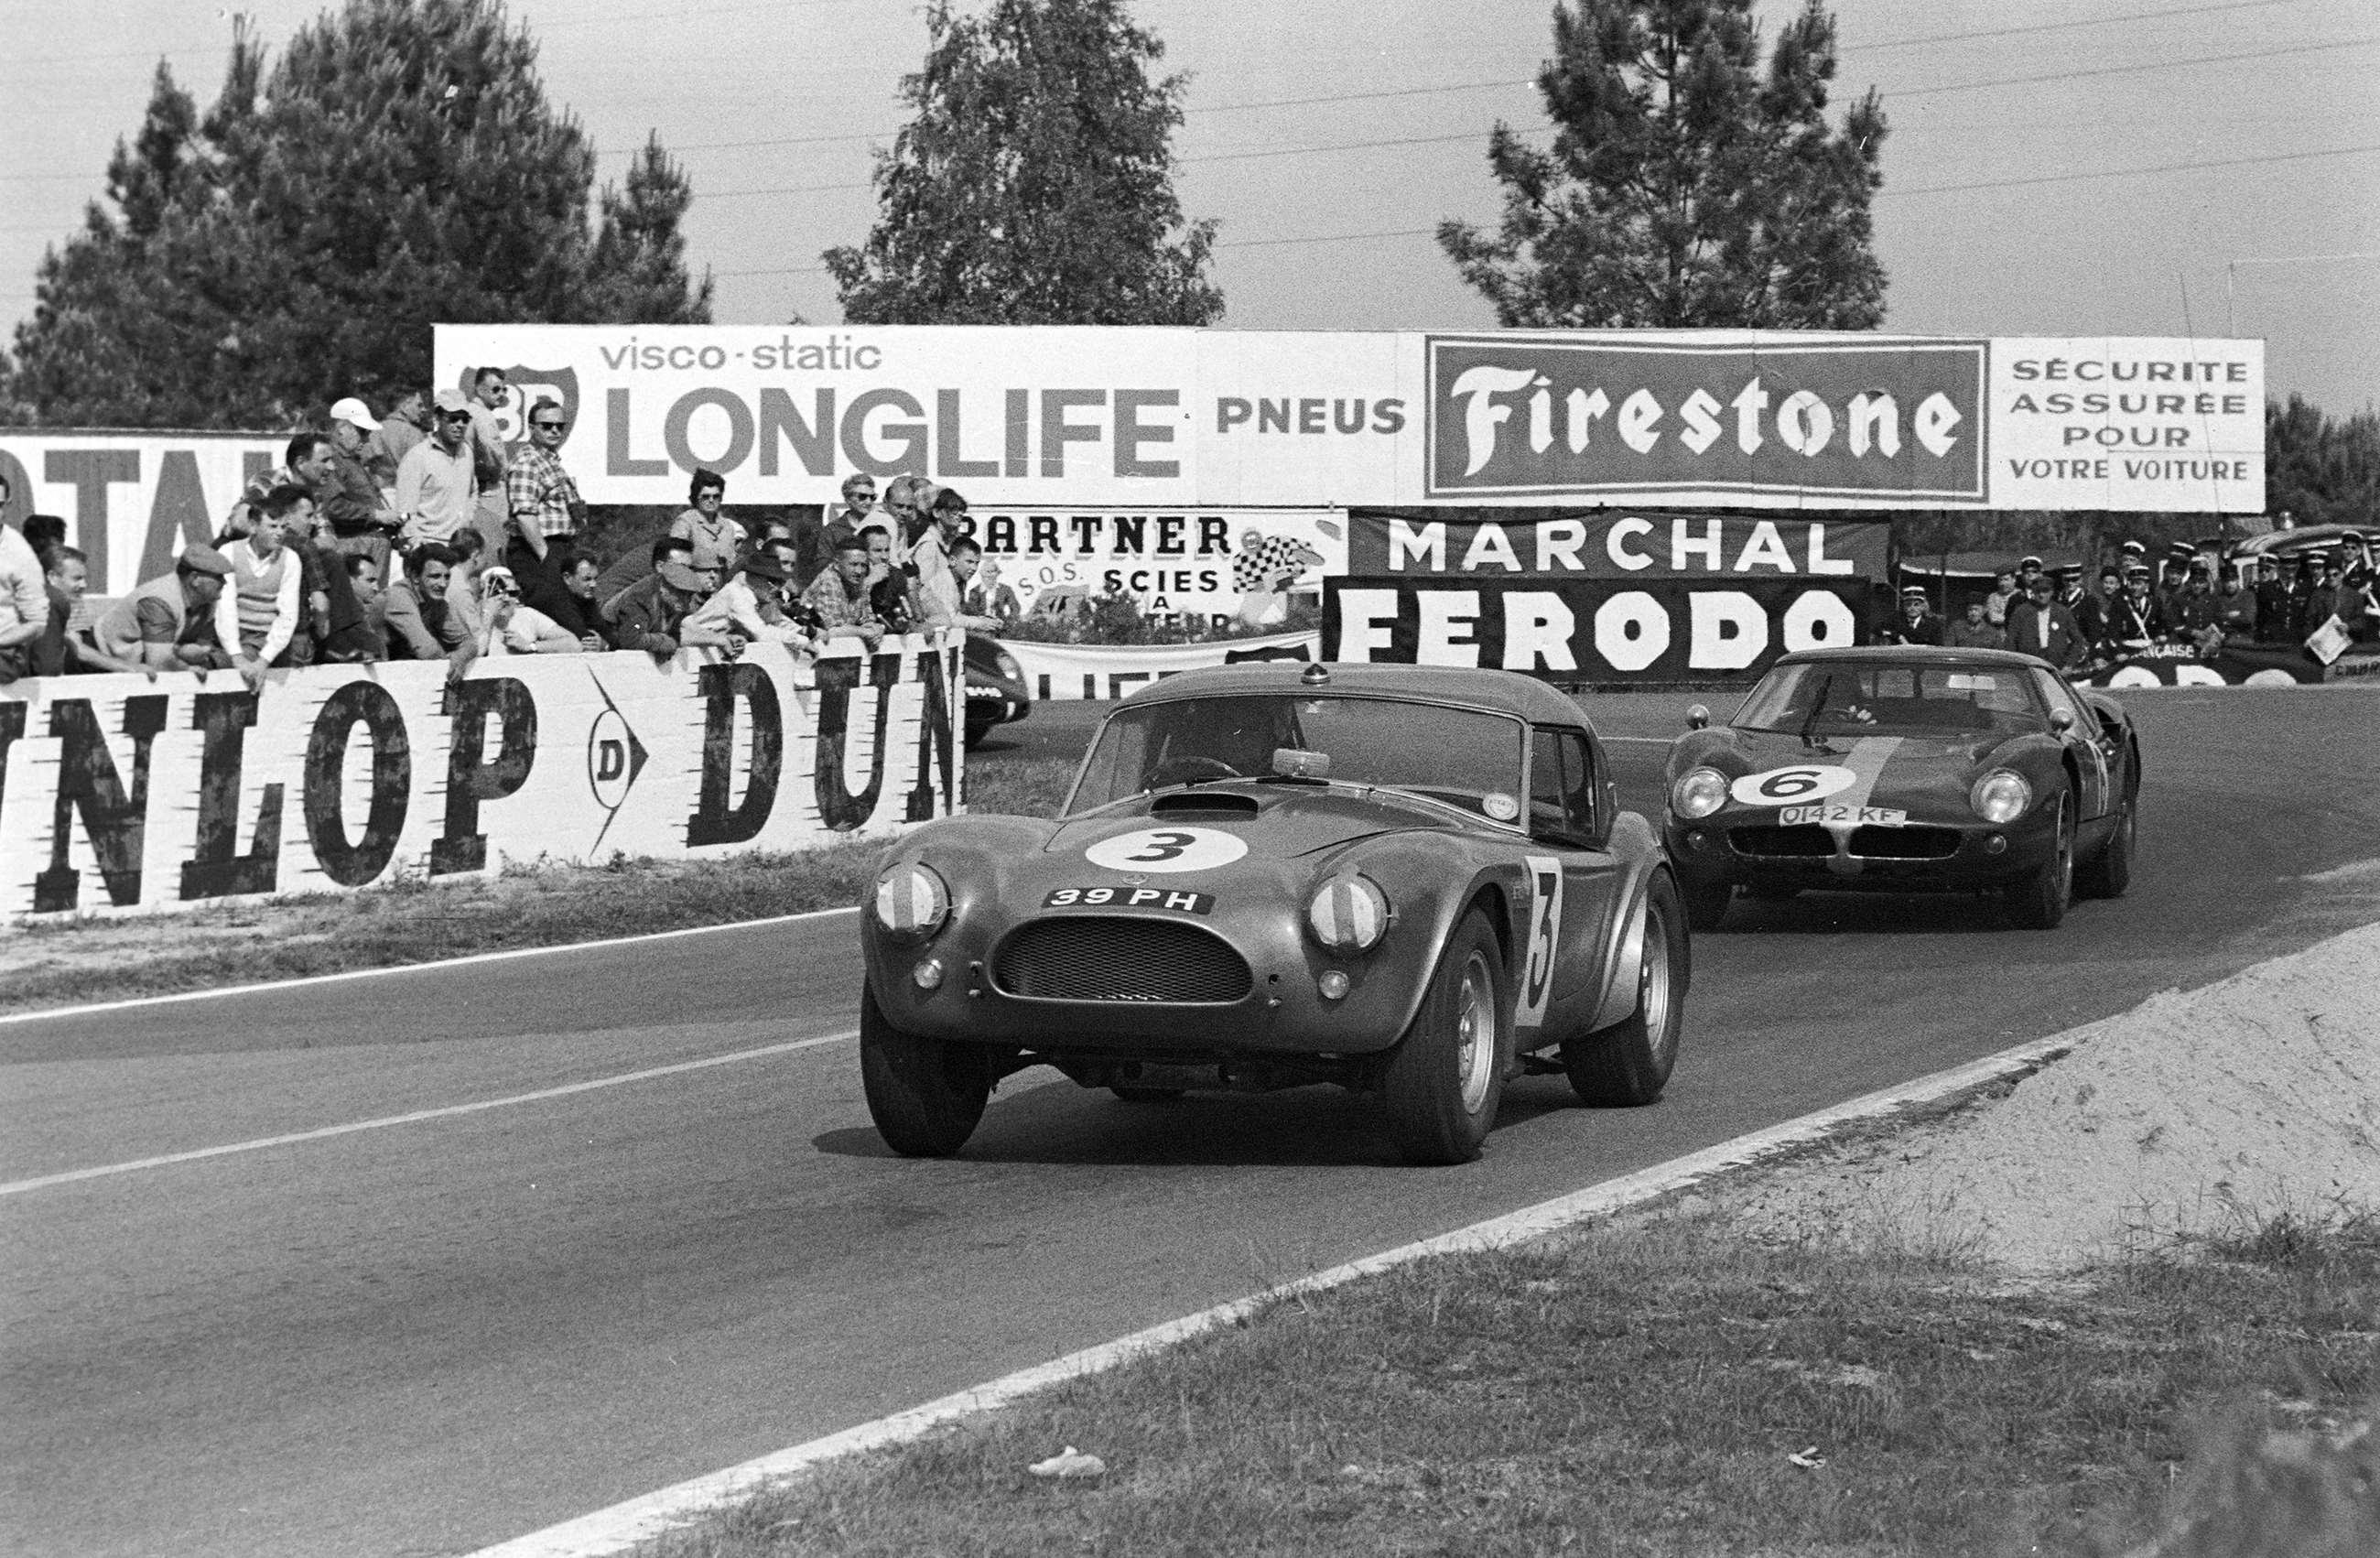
2040,901
926,1095
1446,1076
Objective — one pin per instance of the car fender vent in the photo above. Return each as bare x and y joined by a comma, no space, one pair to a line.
1218,803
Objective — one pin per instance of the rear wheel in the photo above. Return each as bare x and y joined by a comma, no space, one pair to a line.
2039,902
1706,903
1446,1076
2110,870
1629,1063
926,1095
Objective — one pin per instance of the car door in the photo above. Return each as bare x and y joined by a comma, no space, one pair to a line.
2094,749
1572,882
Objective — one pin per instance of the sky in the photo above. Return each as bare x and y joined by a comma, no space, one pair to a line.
2055,167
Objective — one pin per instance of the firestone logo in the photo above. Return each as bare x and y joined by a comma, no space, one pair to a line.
1558,414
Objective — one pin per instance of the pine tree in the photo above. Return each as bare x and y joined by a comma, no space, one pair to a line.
399,165
1683,188
2320,470
1034,183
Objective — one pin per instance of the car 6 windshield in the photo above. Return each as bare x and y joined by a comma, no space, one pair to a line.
1456,755
1816,700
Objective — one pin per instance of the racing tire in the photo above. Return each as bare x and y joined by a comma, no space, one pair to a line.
926,1095
1706,903
2109,872
978,729
1627,1065
2040,901
1148,1095
1444,1079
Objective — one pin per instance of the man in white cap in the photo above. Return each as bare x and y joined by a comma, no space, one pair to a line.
347,497
437,485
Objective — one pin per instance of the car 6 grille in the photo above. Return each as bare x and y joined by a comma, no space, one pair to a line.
1120,957
1905,844
1806,840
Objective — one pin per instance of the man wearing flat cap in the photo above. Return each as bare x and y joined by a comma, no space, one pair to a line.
746,603
169,624
1915,624
655,616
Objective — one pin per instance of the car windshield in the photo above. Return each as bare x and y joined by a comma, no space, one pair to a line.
1457,755
1828,698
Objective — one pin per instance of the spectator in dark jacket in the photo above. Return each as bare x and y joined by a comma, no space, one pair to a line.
565,592
652,615
1915,624
1976,630
348,495
2040,624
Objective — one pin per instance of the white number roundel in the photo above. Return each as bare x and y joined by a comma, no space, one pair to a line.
1787,786
1166,850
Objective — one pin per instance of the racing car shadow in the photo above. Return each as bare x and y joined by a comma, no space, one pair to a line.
1818,912
1056,1121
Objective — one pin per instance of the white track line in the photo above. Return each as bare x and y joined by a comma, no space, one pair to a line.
623,1526
442,964
19,1186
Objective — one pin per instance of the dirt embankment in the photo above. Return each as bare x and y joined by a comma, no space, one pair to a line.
2208,1111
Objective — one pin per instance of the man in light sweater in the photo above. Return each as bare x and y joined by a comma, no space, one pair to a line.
256,617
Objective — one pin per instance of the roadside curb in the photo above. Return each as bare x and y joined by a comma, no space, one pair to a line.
612,1530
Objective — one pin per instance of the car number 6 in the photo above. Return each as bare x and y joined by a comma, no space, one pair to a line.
1799,782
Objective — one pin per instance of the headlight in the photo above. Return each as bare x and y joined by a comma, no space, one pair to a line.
1698,793
1008,666
1348,914
2001,797
912,900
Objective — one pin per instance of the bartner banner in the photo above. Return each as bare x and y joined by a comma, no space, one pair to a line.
124,794
1591,630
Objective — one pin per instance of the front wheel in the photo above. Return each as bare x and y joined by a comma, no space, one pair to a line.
1628,1063
2110,870
926,1095
1446,1076
2039,902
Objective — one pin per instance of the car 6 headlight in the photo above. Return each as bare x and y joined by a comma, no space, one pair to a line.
1698,793
1348,914
2000,795
912,900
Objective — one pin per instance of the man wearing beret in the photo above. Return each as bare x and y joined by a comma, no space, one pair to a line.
169,624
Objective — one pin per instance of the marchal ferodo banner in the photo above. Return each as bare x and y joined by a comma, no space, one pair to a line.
122,793
1622,546
1174,420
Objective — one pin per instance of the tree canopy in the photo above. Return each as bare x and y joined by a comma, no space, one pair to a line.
1683,188
2320,470
399,165
1034,183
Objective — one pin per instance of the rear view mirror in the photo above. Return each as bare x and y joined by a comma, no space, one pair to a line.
1291,763
2061,720
1697,717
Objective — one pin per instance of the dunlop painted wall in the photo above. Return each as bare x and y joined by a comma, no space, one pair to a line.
123,795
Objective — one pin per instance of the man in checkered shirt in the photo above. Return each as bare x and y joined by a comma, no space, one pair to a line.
543,500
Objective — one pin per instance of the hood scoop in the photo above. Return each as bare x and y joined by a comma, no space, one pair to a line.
1207,803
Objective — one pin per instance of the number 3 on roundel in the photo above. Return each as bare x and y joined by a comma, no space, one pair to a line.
1545,937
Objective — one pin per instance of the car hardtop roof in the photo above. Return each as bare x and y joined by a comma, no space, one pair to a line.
1912,654
1497,692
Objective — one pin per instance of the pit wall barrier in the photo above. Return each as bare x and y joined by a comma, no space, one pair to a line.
1090,672
123,795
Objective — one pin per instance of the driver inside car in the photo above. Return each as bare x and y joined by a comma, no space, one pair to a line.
1218,739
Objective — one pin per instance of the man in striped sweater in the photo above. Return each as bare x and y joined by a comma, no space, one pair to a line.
257,615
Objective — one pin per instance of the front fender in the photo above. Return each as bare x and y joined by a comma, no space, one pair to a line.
1638,849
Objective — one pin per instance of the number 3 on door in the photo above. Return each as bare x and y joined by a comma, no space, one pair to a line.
1544,936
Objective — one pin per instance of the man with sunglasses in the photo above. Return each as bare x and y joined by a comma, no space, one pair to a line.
437,483
544,500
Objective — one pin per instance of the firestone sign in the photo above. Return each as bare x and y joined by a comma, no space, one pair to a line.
1048,418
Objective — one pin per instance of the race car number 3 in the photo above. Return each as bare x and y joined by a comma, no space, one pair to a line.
1786,787
1166,850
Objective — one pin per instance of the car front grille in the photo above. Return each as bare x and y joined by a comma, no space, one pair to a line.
1120,957
1905,844
1806,840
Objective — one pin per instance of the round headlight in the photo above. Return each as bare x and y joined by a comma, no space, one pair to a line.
1008,666
2000,795
1698,793
912,900
1348,914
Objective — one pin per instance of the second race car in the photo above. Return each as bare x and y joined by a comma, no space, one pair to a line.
1904,769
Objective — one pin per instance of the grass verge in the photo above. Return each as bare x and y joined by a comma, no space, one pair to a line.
411,920
1673,1387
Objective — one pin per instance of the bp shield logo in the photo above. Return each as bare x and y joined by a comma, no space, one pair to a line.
526,387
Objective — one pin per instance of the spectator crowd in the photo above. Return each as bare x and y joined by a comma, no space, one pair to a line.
2134,611
423,535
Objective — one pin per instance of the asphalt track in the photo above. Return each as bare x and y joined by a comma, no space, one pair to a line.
433,1334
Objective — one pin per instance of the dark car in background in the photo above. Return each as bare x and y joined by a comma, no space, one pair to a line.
1907,769
996,693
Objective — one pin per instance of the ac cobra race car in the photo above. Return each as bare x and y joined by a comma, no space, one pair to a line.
1901,769
1413,882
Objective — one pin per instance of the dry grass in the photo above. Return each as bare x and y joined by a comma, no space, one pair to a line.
531,903
1649,1389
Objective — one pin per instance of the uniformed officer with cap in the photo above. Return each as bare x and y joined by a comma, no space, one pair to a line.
2091,611
2133,618
2192,615
2027,570
2235,605
1915,624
